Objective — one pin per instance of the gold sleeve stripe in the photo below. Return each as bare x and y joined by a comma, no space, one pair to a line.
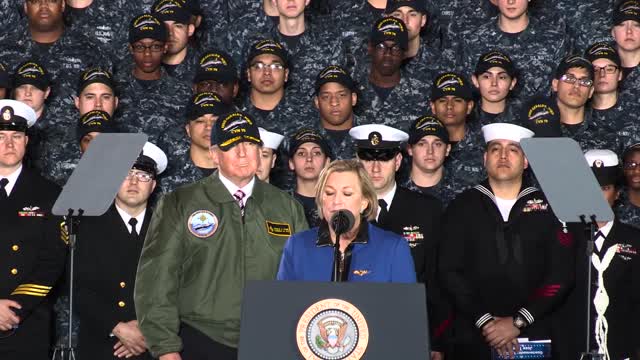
24,292
33,290
35,286
44,291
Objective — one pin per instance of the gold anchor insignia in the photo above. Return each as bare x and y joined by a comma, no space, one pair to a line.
375,139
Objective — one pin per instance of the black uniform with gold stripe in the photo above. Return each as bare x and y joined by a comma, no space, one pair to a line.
417,218
32,259
107,260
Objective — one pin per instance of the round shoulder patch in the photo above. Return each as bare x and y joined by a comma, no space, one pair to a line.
202,223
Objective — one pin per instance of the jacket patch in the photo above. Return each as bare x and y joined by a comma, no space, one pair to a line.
31,211
278,229
202,224
361,272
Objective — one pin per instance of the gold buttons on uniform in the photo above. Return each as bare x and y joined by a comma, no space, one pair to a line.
14,271
15,248
121,303
123,285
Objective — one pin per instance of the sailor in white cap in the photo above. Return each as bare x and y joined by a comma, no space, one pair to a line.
379,148
33,256
502,259
615,290
269,153
107,264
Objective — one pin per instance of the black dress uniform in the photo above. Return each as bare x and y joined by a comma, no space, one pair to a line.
622,283
32,259
417,218
489,267
107,260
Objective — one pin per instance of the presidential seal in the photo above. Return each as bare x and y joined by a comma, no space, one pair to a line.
332,329
202,223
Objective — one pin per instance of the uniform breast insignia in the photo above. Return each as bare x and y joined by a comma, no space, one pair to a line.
202,224
361,272
278,229
413,235
626,249
535,205
332,329
31,211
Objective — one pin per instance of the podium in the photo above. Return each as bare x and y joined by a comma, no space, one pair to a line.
333,321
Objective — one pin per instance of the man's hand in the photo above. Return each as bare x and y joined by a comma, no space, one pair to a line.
121,350
510,350
8,318
436,355
130,336
170,356
500,332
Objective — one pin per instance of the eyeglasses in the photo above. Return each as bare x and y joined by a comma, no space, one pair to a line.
139,48
609,69
273,67
570,79
394,49
140,176
377,155
631,166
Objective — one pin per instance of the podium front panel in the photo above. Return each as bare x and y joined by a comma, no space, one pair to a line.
395,316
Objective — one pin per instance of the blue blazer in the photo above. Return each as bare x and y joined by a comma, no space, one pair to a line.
385,257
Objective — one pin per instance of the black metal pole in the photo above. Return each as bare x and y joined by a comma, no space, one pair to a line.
336,276
72,222
590,230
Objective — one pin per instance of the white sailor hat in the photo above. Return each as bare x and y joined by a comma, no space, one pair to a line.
377,136
604,164
270,139
504,131
152,160
16,115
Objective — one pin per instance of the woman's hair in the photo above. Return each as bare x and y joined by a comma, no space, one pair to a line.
354,166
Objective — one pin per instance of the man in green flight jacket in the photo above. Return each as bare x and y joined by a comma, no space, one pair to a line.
205,241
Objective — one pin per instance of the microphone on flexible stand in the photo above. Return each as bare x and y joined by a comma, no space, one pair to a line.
341,222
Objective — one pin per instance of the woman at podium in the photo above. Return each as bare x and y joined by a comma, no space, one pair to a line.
346,202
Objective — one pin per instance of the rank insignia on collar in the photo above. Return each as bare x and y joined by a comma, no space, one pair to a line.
535,205
361,272
413,235
31,211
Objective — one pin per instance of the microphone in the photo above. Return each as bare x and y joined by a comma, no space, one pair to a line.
342,221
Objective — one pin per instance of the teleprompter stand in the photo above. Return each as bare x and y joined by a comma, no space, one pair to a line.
574,195
89,192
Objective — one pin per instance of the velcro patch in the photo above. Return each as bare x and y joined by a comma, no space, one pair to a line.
278,229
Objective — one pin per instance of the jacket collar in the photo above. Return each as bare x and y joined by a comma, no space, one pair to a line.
324,237
219,193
